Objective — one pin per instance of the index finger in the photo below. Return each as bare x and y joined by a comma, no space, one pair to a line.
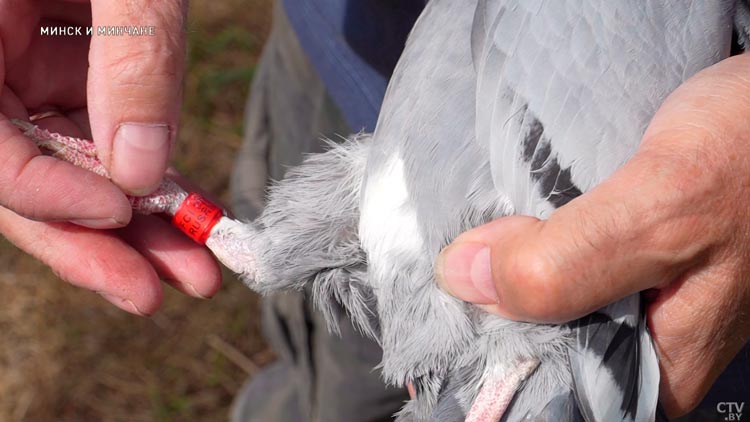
44,188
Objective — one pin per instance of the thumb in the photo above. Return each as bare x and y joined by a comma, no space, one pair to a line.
625,236
135,87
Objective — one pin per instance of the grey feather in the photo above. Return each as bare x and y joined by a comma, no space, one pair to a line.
561,408
742,23
496,107
615,371
307,233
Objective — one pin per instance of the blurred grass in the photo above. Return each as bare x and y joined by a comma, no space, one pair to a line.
66,355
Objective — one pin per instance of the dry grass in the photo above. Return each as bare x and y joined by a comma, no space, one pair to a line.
66,355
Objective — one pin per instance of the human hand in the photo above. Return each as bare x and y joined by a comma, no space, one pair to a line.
130,87
675,219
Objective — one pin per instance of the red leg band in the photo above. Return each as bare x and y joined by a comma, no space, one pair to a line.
196,216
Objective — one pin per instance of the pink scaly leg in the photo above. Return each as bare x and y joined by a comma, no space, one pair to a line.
79,152
230,240
82,153
497,392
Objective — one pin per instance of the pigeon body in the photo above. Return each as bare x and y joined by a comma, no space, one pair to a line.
497,107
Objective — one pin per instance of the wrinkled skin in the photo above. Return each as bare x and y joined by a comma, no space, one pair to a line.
58,212
674,221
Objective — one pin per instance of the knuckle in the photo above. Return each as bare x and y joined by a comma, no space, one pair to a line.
150,59
167,13
143,81
19,203
24,199
143,65
19,197
30,195
167,17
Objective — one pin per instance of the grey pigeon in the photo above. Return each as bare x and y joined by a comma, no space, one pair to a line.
496,107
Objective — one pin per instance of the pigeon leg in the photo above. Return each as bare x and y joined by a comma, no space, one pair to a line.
79,152
497,392
230,240
82,153
233,243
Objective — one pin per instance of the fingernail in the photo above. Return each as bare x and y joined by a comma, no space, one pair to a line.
98,223
187,288
464,271
195,291
124,304
139,156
